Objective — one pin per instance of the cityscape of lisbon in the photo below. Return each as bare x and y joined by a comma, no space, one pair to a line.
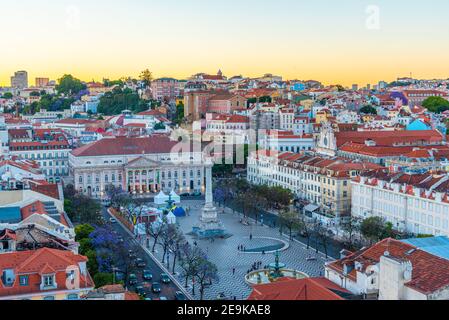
222,186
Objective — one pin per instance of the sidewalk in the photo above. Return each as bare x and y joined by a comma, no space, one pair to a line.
149,253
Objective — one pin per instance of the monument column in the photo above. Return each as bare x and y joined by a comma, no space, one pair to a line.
210,225
209,194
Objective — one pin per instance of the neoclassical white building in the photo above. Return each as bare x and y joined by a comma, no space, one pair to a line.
413,203
137,165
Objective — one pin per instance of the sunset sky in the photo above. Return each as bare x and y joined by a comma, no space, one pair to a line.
327,40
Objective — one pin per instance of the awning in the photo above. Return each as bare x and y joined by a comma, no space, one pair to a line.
311,208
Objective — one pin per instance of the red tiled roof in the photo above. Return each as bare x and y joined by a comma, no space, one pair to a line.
430,273
48,189
293,289
36,263
385,138
124,146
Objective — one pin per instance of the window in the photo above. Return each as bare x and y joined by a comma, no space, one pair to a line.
23,281
48,281
72,296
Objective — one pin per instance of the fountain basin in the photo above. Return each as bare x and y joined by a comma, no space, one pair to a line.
265,276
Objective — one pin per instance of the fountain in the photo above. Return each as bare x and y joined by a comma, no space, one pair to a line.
273,273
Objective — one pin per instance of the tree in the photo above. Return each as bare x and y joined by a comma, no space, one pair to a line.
179,113
92,264
117,196
119,99
159,126
165,238
351,225
82,209
368,109
83,231
190,261
305,228
176,246
436,104
340,88
103,279
323,234
146,76
289,219
7,95
375,229
85,245
265,99
69,191
206,273
155,229
69,85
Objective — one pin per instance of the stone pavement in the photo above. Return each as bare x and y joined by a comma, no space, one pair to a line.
225,253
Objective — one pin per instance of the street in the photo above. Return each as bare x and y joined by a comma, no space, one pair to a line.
167,290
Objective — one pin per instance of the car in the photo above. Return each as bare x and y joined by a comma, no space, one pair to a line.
140,263
132,279
165,278
185,195
156,287
180,296
131,254
147,275
112,220
197,194
141,291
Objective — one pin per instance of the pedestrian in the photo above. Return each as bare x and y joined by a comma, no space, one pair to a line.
233,271
251,236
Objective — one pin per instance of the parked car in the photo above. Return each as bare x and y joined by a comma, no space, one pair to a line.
147,275
141,291
140,263
180,296
156,287
185,195
165,278
131,254
132,279
112,220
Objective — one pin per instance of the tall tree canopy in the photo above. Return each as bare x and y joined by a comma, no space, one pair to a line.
436,104
121,99
146,76
69,85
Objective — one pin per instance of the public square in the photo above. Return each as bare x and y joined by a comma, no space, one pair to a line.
225,254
